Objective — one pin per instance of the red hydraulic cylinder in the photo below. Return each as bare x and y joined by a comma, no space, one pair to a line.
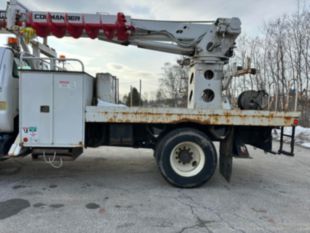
78,25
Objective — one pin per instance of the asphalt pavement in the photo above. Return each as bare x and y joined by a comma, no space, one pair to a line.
121,190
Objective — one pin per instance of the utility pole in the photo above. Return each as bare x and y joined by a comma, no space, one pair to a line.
140,89
130,96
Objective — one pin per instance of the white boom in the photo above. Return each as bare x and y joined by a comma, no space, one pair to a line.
180,37
209,44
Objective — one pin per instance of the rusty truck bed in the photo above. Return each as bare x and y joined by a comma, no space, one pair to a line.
200,116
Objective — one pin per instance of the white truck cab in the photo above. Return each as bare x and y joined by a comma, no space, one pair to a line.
8,98
8,90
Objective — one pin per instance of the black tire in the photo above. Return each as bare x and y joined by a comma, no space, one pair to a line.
164,151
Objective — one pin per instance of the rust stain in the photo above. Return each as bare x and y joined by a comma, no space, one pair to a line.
215,119
288,121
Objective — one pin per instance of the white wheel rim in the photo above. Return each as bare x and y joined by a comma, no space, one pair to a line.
191,162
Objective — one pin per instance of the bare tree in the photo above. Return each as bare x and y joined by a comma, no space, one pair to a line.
282,56
173,84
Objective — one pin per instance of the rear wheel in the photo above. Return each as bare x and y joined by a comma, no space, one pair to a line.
186,157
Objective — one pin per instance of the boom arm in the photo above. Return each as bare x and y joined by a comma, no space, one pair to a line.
205,38
209,44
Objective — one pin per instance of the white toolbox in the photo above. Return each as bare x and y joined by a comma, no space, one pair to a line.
52,108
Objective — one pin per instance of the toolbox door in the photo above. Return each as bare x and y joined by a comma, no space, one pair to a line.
36,108
68,109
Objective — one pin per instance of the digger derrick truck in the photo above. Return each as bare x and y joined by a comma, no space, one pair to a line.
51,113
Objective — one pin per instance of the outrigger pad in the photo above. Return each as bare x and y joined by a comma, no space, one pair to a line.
226,156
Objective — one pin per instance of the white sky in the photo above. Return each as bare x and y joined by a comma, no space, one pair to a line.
131,64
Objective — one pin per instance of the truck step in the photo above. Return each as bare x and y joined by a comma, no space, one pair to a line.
291,143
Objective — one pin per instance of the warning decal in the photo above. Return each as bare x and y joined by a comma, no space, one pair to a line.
67,84
31,133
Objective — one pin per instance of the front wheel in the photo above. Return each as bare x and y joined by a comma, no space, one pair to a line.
186,157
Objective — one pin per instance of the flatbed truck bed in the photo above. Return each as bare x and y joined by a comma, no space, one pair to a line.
184,115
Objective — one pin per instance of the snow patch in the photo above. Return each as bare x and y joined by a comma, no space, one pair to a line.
302,135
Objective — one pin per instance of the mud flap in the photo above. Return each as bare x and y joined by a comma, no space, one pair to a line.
226,155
